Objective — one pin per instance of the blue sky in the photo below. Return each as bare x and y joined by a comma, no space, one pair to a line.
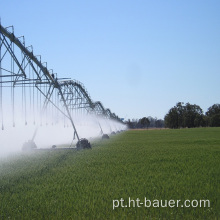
139,58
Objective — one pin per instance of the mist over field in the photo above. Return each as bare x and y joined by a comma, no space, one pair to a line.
53,133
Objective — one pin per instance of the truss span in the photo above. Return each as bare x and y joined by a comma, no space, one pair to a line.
29,81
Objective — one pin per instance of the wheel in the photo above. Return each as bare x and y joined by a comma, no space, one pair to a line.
30,145
83,144
105,136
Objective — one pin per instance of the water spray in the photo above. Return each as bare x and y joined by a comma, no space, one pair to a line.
38,95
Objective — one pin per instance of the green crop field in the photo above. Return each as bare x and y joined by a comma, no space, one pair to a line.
155,165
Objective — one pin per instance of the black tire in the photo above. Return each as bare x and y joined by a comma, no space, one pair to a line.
83,144
105,136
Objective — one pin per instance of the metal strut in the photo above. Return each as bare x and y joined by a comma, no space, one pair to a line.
73,94
67,109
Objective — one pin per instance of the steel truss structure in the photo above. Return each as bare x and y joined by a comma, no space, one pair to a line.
27,78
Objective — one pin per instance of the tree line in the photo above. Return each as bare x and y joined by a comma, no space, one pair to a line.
145,122
181,116
191,116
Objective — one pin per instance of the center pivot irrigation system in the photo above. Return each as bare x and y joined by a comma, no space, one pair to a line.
26,82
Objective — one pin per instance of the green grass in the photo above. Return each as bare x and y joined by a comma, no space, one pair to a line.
156,164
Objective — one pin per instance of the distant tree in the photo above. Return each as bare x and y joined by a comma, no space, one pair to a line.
184,116
192,116
129,124
213,110
152,121
206,121
147,123
213,115
171,118
135,123
144,122
180,108
159,123
215,120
